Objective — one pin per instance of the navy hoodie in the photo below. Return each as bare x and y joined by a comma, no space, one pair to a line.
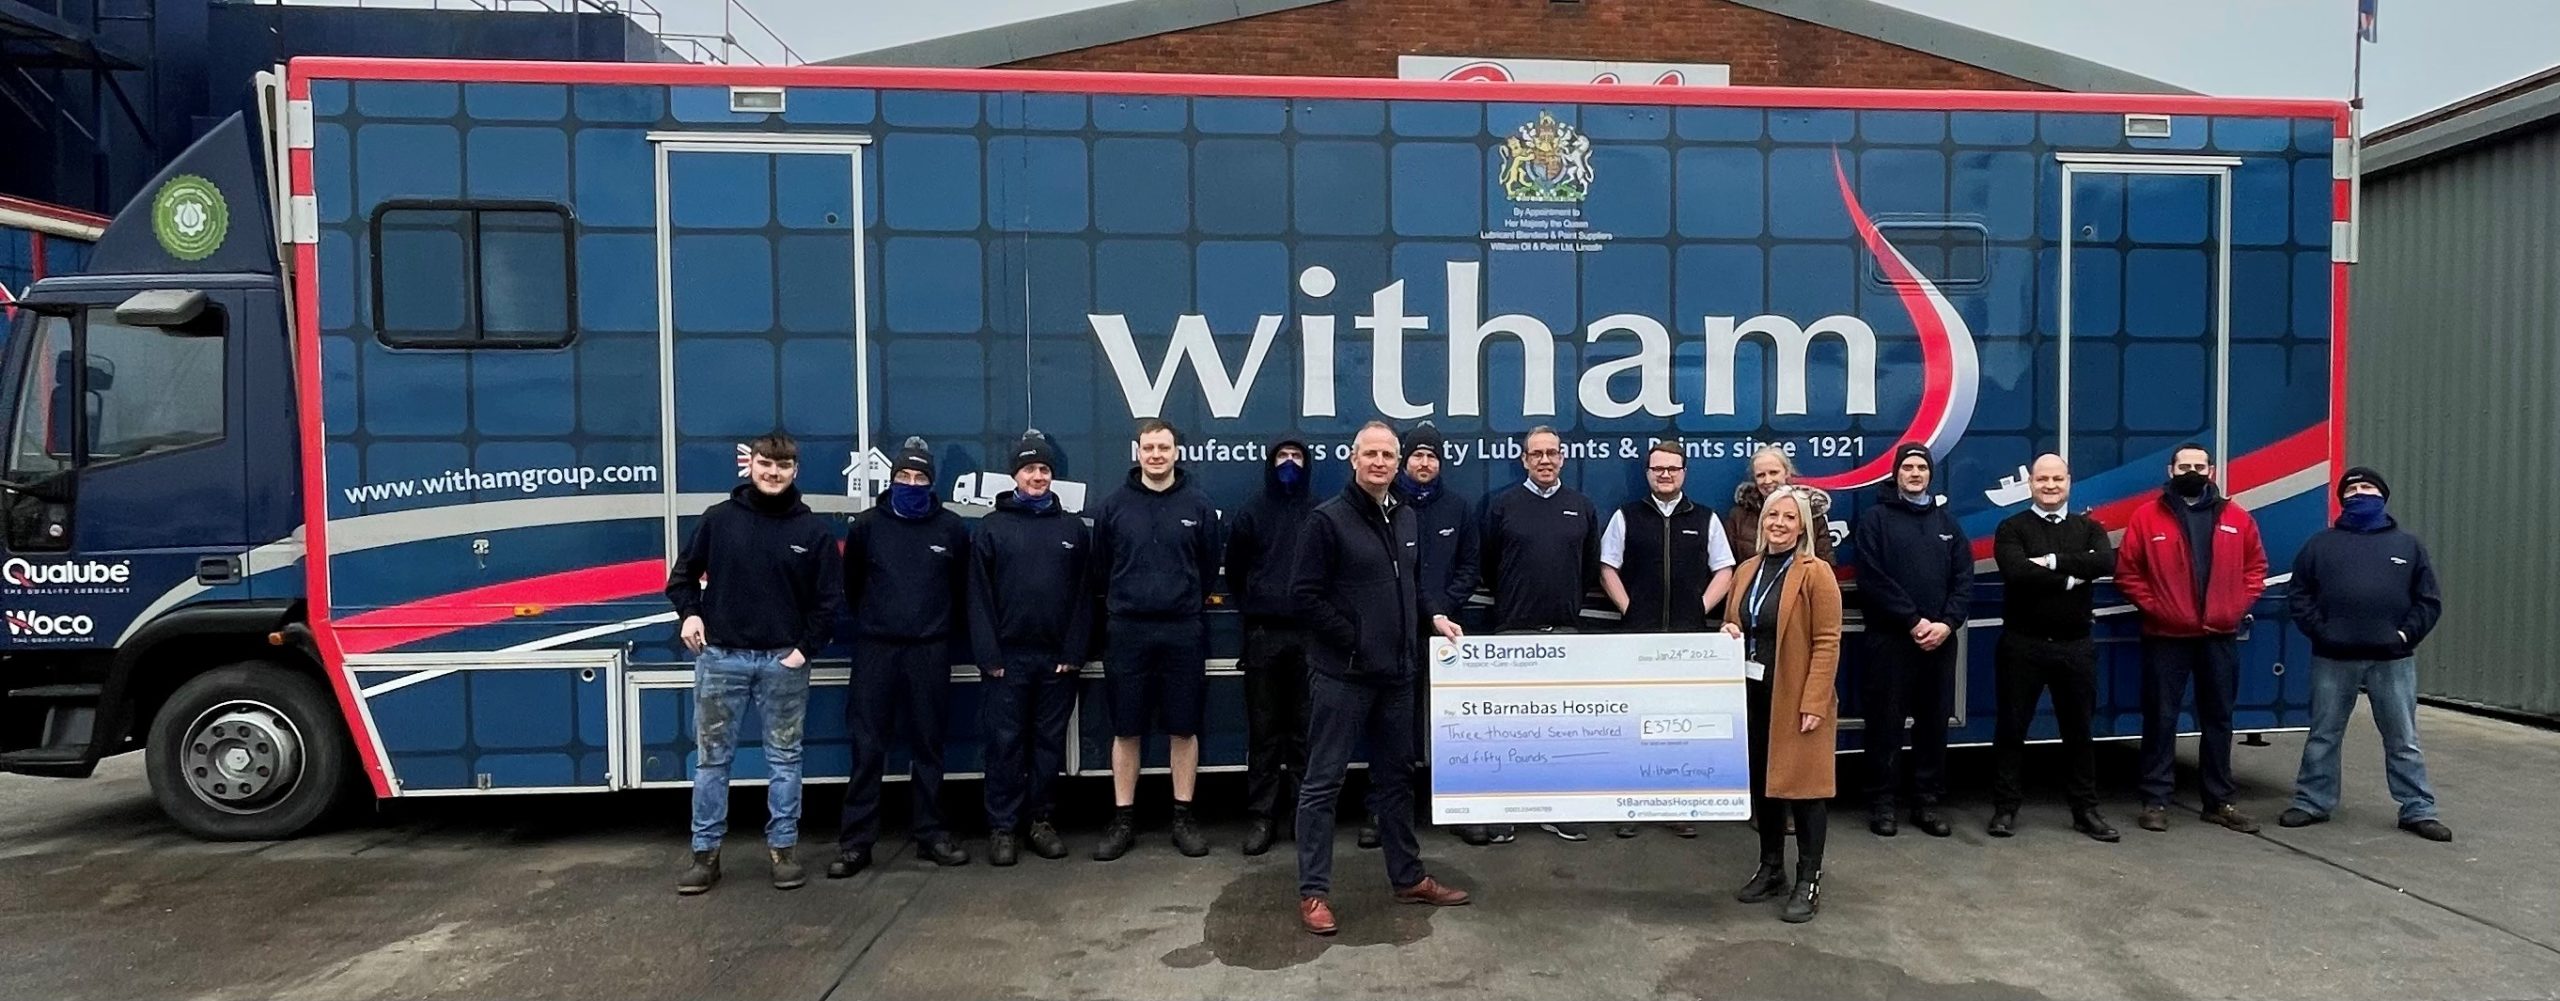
1262,543
1028,593
1157,553
1447,531
1913,563
2356,593
772,563
907,580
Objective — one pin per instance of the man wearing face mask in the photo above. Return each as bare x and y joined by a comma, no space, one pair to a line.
2049,560
2365,592
1262,546
2192,563
906,577
1915,582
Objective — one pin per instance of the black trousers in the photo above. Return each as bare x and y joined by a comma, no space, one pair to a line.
2026,668
1275,706
908,684
1338,712
1905,681
1812,816
1024,715
2167,664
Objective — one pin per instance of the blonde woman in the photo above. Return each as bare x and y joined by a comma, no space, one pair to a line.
1771,468
1786,610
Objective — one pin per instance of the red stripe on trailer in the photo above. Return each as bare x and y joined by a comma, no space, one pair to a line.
400,625
1220,85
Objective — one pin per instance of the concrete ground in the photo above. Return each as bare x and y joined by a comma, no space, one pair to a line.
573,898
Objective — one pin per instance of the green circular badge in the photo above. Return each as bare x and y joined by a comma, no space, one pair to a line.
189,217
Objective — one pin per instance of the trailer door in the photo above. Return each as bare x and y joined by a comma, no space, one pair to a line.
2144,311
761,318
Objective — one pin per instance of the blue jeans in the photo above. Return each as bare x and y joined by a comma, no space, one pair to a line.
725,683
2392,687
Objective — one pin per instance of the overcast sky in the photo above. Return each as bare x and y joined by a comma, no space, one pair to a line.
2432,51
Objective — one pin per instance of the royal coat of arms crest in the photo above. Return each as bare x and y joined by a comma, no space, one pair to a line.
1546,161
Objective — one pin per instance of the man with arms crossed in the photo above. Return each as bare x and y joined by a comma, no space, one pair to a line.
2049,560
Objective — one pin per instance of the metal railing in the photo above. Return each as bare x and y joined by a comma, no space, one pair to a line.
758,45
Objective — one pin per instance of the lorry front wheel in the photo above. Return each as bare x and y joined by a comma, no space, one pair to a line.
248,752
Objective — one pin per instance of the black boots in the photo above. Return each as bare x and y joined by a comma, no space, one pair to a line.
1769,883
1003,848
1258,836
1187,838
1119,837
2088,821
787,873
1045,841
699,876
1808,896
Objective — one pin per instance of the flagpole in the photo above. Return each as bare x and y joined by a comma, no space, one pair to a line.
2356,97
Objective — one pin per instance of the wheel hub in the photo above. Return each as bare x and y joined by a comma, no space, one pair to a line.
242,756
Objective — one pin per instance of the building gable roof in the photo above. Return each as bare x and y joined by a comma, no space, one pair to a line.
1131,19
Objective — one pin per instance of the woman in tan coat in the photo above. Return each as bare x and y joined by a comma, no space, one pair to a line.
1785,607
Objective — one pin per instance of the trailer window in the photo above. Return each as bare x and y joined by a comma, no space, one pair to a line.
473,275
1948,254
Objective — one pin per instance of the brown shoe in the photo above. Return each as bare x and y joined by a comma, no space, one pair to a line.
1433,892
2230,816
2154,818
1316,916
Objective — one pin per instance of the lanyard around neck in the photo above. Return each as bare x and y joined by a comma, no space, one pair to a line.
1767,582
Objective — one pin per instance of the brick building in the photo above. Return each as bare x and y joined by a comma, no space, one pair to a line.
1797,43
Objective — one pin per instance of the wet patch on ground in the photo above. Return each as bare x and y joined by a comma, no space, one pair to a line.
1253,923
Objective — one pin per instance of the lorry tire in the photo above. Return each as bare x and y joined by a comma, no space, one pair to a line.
248,752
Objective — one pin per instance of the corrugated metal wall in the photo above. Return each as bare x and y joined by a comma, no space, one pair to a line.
2454,383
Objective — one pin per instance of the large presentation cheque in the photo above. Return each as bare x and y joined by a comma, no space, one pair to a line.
1552,728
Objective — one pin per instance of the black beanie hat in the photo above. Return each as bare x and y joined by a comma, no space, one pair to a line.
1033,447
2362,474
914,455
1424,438
1911,448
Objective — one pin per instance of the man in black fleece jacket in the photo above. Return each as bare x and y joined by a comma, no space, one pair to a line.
906,576
2049,560
1542,553
773,607
2365,593
1030,630
1156,551
1262,549
1915,581
1356,588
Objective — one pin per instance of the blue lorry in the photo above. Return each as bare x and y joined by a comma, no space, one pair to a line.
355,458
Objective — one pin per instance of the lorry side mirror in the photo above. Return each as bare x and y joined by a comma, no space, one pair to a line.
161,308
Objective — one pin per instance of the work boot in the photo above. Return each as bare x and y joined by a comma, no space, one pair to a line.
1475,834
2004,823
1258,836
848,863
1003,848
2297,817
1186,834
699,876
1927,820
2230,816
1369,834
1119,837
1807,899
1769,883
1045,841
1625,830
2154,818
942,850
787,874
2430,829
1880,822
2089,821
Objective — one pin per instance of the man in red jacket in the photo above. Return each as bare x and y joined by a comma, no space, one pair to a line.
2193,564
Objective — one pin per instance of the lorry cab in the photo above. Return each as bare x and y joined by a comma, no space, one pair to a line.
149,505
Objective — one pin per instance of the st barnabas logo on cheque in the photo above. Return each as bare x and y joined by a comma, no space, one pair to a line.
1546,161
